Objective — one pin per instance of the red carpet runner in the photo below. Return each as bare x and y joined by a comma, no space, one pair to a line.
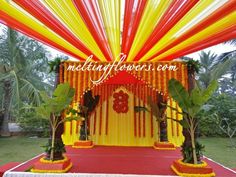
126,160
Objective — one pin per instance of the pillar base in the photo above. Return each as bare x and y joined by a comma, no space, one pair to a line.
164,146
83,144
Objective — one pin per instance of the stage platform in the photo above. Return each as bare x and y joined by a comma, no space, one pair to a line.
118,161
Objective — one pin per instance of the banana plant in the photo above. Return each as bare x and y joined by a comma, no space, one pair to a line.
52,109
190,103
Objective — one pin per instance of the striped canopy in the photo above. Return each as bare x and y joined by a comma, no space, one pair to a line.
144,30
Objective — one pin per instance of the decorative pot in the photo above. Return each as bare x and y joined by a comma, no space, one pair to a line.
49,166
192,170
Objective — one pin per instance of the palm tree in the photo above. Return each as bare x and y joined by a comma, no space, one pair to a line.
228,81
213,67
22,65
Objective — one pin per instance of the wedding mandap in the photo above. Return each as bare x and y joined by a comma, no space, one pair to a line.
123,53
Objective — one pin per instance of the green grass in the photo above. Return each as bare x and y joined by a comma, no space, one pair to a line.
20,149
218,150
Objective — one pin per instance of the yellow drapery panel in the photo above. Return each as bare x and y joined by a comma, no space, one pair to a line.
110,11
68,14
152,14
186,21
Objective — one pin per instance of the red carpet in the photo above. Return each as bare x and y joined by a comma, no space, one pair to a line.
126,160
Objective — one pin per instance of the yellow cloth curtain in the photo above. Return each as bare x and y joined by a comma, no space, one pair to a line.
32,23
110,11
152,14
69,15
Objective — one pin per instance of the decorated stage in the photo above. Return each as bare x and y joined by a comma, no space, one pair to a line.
118,161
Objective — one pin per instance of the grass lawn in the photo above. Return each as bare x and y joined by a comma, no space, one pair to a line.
20,149
218,150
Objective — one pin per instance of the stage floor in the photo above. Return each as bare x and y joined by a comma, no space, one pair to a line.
126,160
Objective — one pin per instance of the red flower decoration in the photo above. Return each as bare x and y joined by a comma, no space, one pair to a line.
120,103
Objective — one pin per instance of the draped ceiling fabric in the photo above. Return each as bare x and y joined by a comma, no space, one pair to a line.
144,30
127,129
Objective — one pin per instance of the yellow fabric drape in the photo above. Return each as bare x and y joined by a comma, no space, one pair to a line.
213,29
152,14
67,12
185,21
34,24
110,11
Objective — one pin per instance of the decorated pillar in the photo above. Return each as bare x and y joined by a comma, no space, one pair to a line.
162,104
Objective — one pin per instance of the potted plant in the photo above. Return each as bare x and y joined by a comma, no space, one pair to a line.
85,111
191,103
52,109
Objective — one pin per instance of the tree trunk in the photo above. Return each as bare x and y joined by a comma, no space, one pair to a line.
189,140
60,129
163,131
6,105
53,145
86,129
162,106
193,144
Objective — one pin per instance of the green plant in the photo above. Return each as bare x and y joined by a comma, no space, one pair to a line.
193,64
31,124
191,104
59,147
54,65
52,109
219,107
187,152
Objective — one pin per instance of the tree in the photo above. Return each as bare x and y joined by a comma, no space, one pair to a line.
228,81
212,68
23,62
